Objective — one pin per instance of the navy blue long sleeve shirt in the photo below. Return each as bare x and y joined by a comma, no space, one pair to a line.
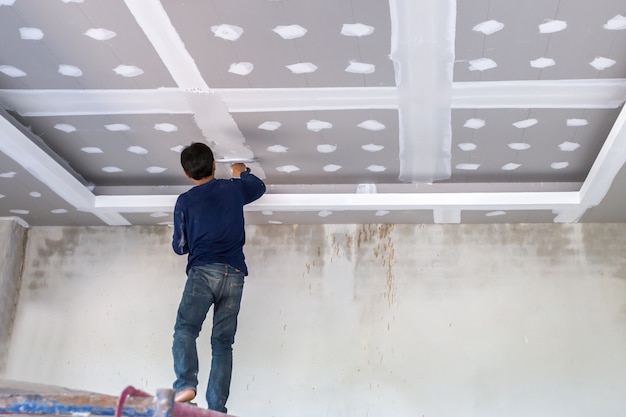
209,222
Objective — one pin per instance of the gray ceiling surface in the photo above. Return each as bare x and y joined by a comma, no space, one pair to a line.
369,111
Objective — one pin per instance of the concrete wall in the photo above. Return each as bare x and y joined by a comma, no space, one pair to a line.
347,320
12,241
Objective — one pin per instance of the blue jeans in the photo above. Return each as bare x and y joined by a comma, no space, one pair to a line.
219,285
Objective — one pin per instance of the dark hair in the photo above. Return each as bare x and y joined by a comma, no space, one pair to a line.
197,160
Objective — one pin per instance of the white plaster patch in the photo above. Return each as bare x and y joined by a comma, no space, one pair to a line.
73,1
137,149
165,127
19,211
373,125
128,70
381,213
70,70
58,211
302,68
34,194
31,34
91,149
287,168
569,146
332,168
360,68
324,213
511,166
559,165
542,62
290,32
117,127
577,122
11,71
241,68
488,27
552,26
356,29
228,32
376,168
468,167
482,64
274,222
156,170
366,189
616,23
317,125
64,127
2,196
495,213
601,63
100,34
270,125
10,174
326,148
158,214
178,148
277,148
523,124
7,2
467,146
112,169
474,123
267,213
518,146
370,147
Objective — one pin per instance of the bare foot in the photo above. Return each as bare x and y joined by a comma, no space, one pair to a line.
185,395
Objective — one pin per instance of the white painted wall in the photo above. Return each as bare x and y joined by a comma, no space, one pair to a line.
347,320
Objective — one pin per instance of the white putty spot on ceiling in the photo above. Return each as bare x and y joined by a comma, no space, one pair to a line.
381,213
290,32
34,194
158,214
277,148
356,29
552,26
287,168
326,148
274,222
168,224
569,146
10,174
2,196
468,146
559,165
360,68
117,127
317,125
601,63
370,147
19,211
178,148
267,213
156,170
11,71
616,23
324,213
137,149
270,125
332,168
70,70
374,125
542,62
165,127
482,64
474,123
241,68
128,70
228,32
67,128
112,169
73,1
495,213
511,166
488,27
577,122
523,124
58,211
91,149
31,34
468,167
100,34
302,68
7,2
376,168
519,146
366,189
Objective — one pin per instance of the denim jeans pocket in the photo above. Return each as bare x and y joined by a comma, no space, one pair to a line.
235,292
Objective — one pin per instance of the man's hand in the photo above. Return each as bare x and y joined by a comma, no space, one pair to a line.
237,168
